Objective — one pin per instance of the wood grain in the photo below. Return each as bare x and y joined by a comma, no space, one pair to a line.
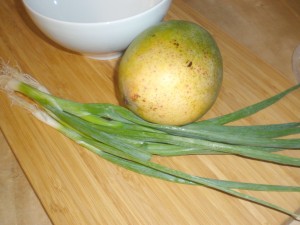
77,187
269,29
19,204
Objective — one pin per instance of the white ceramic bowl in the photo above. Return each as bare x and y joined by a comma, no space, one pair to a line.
100,29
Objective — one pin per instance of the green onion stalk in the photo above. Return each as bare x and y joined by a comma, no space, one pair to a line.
121,137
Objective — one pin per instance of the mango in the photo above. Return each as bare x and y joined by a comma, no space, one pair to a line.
171,73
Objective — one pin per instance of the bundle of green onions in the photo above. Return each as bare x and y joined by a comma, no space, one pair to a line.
121,137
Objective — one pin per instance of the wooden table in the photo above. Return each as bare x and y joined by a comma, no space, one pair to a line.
78,187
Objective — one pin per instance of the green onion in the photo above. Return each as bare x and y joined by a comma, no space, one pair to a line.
121,137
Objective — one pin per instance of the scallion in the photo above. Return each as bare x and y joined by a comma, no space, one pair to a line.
121,137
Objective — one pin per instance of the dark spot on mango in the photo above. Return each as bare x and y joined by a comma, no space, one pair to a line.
175,43
189,63
134,97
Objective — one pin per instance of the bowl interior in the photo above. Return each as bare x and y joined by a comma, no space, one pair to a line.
90,11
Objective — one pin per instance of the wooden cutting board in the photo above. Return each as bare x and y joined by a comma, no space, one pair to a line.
78,187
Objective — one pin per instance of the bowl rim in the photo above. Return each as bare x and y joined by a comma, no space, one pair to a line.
98,23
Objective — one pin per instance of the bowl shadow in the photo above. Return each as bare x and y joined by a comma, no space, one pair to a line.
31,25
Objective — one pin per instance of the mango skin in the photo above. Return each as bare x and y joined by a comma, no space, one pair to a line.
171,73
